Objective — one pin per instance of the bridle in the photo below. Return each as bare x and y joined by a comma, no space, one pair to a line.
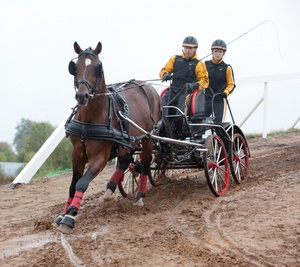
87,83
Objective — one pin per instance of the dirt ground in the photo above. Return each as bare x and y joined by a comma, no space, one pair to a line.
182,223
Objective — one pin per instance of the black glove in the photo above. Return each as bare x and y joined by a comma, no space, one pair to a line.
167,77
190,87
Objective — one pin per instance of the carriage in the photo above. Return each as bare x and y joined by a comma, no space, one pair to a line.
127,121
193,142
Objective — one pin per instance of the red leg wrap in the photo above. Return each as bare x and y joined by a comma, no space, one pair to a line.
69,201
117,176
77,200
143,183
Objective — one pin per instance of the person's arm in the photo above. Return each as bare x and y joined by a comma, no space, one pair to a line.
230,81
202,75
168,68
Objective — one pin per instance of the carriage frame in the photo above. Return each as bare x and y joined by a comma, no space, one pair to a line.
189,143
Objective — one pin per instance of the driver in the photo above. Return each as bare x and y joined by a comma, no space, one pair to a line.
187,74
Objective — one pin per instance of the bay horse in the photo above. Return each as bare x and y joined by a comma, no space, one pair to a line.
98,133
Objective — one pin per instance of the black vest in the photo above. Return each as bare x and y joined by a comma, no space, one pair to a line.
184,71
217,76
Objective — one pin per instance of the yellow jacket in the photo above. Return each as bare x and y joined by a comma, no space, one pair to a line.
201,73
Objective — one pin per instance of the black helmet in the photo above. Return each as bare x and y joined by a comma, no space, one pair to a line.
190,40
219,44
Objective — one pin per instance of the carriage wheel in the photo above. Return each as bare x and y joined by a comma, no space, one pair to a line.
158,173
157,176
129,185
216,165
239,159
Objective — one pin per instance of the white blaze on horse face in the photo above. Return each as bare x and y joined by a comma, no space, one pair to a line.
87,62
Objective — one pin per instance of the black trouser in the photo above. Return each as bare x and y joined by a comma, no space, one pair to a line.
174,97
219,108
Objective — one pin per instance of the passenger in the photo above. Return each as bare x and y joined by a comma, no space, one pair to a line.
221,82
187,74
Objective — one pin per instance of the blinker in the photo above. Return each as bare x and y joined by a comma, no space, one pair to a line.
72,68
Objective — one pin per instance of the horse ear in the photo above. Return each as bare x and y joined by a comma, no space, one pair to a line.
72,68
77,48
98,49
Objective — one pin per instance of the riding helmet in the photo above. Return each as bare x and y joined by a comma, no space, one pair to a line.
190,40
219,44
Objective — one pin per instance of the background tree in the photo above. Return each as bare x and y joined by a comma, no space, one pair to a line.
23,130
31,136
6,153
59,160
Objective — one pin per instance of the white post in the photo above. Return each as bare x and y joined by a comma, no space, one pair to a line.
293,126
40,157
265,115
251,111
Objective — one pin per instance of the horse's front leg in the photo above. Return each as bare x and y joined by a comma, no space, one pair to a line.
68,222
78,166
77,173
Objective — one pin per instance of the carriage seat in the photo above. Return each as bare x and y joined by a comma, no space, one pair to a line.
196,107
179,123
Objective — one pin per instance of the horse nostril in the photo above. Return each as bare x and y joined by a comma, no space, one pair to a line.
82,98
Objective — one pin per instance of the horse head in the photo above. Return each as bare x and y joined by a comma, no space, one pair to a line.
87,72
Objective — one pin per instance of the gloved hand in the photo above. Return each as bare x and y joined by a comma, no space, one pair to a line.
190,87
167,77
221,95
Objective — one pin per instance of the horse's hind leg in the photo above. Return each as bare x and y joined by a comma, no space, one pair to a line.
118,175
143,178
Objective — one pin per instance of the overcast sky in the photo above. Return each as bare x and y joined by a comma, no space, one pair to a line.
138,37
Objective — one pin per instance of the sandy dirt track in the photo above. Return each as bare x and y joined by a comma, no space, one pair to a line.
182,223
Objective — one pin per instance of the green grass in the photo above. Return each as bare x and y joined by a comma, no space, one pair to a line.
272,134
58,172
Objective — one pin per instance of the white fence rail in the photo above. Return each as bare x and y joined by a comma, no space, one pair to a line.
268,83
45,151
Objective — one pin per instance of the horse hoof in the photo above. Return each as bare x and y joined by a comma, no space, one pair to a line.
67,224
108,195
57,221
138,203
65,229
138,200
108,199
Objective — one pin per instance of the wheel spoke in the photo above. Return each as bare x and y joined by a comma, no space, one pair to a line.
216,165
239,160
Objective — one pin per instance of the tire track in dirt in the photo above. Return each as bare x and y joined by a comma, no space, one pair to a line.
218,239
215,240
